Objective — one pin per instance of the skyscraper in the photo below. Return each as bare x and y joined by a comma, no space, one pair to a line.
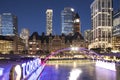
116,24
67,20
101,16
116,31
8,24
49,15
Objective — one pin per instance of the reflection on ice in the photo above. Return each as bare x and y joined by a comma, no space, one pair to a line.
105,74
56,66
1,71
74,74
77,70
74,64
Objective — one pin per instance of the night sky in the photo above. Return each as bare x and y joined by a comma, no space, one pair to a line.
32,13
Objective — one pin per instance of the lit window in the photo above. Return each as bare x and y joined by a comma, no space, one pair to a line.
37,48
30,48
30,42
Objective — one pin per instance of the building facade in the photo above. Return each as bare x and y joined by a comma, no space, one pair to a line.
116,31
88,35
77,26
34,43
8,25
25,33
101,16
51,43
49,15
67,20
11,44
116,24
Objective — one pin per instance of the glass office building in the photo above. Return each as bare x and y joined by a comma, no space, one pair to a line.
67,20
8,24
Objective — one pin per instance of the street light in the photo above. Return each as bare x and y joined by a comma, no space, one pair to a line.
74,48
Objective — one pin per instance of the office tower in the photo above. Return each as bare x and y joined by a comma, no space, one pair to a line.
8,25
76,27
101,16
116,24
49,15
25,36
67,20
116,31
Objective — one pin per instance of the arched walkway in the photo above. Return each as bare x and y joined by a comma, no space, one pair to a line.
91,54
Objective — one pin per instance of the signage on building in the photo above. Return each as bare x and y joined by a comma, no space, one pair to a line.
22,71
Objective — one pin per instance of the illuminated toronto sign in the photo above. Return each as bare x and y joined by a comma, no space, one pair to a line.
24,70
29,67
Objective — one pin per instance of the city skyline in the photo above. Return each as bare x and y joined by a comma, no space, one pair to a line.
31,14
